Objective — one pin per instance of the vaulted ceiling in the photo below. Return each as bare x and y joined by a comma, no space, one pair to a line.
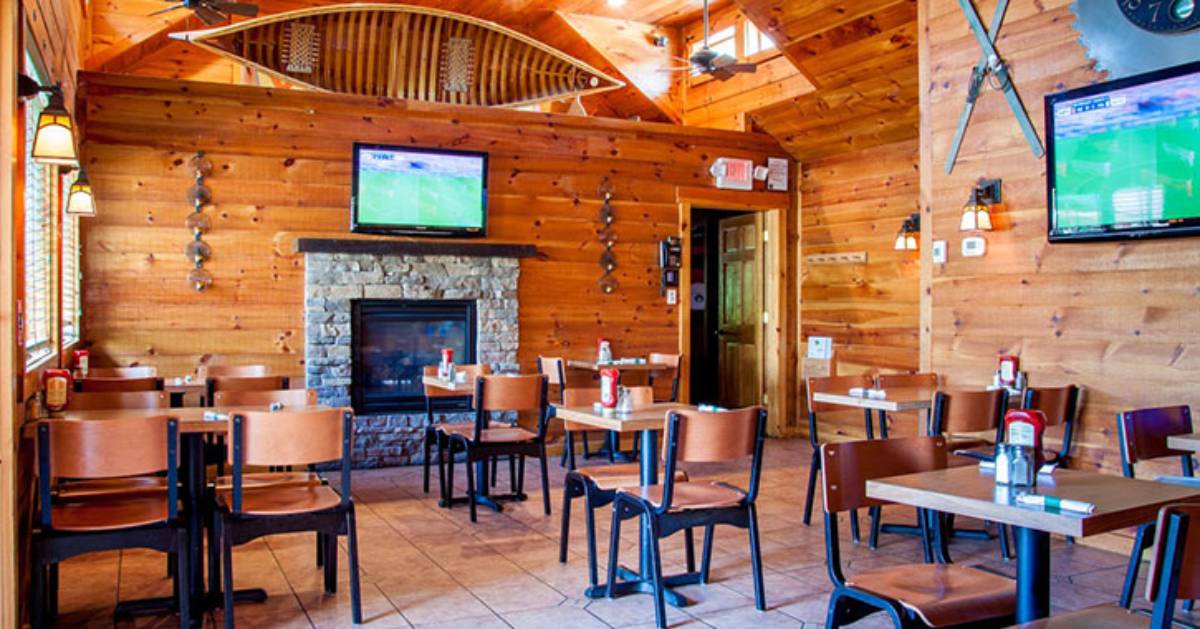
856,84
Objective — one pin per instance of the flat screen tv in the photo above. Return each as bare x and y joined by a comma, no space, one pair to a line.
1124,158
418,191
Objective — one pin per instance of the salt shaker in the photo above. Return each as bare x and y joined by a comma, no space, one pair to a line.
1003,465
624,401
1023,474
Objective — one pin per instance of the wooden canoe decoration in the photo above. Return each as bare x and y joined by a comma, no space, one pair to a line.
401,51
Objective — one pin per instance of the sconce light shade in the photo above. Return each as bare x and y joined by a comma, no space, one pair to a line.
80,201
977,212
54,138
906,239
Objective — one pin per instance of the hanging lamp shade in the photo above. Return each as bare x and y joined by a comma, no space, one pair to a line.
80,201
54,137
907,238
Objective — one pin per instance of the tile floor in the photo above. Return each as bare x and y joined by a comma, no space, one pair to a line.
424,566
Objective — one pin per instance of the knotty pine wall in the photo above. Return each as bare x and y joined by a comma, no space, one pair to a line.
282,170
1121,318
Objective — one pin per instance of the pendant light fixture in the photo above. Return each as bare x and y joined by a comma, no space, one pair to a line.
908,238
54,136
80,201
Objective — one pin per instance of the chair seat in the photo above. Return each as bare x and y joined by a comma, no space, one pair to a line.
465,428
690,496
614,477
110,513
942,594
507,435
282,500
77,489
1098,617
271,479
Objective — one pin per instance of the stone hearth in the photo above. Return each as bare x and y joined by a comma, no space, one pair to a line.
333,280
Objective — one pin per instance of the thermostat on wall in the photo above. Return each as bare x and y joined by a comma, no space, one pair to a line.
974,247
939,252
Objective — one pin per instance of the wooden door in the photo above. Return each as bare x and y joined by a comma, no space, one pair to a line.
739,324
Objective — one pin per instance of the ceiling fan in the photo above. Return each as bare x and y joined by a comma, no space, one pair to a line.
708,61
212,11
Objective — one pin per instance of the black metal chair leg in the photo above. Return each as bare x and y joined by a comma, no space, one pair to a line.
428,450
471,472
1005,548
519,479
876,526
570,451
513,481
545,480
813,469
352,551
331,562
926,544
706,554
226,572
854,536
689,542
183,590
565,530
760,597
320,549
448,494
614,548
660,603
495,466
214,553
39,578
1135,564
614,444
590,518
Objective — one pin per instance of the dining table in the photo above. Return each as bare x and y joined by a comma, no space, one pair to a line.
896,401
647,422
179,388
196,424
972,491
594,365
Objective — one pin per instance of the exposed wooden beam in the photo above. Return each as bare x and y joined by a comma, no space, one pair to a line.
130,57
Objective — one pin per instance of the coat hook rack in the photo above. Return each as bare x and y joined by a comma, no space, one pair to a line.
608,237
198,223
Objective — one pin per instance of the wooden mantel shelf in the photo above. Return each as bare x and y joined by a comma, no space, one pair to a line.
417,248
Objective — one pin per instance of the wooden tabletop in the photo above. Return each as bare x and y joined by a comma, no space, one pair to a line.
1191,442
591,365
191,419
649,418
897,400
969,491
458,387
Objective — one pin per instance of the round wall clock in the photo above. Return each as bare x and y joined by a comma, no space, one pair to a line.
1128,37
1162,16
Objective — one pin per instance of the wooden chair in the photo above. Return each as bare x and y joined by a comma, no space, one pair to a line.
834,384
250,383
1142,436
232,371
1174,574
483,443
117,400
673,361
103,451
288,398
122,372
113,385
245,512
577,397
436,433
598,487
928,594
666,509
555,370
1060,405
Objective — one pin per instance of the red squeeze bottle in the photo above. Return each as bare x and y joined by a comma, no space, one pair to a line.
57,386
1025,428
609,379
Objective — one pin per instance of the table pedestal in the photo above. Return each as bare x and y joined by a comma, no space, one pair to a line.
1033,574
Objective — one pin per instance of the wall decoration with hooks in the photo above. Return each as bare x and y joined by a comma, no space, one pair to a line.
198,223
608,237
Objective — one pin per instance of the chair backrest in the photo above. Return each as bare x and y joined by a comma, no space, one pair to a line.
118,400
1143,433
846,467
555,370
250,383
101,385
510,393
694,436
232,371
472,371
673,361
1058,404
923,380
834,384
579,396
1175,565
290,437
957,412
122,372
643,396
101,449
286,397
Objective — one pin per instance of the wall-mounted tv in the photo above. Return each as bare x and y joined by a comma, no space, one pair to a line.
418,191
1124,158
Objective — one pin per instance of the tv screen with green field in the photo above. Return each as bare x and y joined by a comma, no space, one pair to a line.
419,191
1125,158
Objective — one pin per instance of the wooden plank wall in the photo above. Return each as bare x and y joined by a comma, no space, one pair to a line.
1120,318
283,169
60,33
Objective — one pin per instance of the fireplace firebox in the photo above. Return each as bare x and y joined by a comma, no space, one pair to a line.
392,342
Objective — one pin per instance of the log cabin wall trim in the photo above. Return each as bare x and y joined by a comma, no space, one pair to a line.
282,172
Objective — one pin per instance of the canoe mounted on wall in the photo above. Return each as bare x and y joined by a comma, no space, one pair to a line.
401,51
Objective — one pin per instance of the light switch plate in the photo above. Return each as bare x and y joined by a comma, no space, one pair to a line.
672,296
939,252
974,247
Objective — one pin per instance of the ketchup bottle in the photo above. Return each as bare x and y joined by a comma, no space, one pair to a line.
1025,428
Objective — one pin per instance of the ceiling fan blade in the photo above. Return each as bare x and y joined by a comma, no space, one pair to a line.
168,9
740,67
236,8
210,16
677,69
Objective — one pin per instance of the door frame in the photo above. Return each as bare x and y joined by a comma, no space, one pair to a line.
775,378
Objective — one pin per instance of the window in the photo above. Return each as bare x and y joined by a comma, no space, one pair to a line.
755,41
39,199
71,310
723,42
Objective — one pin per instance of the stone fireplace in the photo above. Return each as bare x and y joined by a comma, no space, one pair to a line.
372,320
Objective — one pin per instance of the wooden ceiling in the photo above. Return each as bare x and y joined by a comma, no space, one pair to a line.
860,55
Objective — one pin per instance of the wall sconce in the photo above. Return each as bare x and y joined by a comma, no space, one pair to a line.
54,137
80,201
977,212
908,239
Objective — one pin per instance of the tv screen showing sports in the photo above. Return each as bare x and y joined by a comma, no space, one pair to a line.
432,192
1124,157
